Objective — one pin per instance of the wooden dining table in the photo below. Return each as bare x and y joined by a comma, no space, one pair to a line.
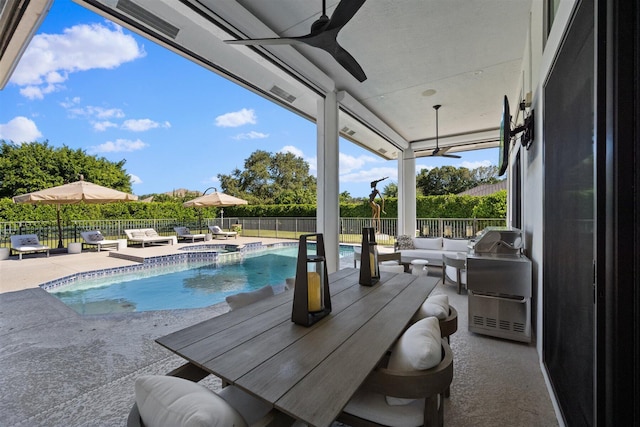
308,373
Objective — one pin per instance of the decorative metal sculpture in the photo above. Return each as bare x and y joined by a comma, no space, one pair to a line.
375,207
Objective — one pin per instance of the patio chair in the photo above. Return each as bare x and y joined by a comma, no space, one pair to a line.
217,231
245,298
454,269
172,399
407,388
185,233
95,238
27,243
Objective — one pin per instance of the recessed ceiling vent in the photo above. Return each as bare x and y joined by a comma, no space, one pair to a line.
347,131
143,15
382,151
282,94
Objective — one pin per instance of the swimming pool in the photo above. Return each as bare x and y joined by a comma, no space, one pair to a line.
186,285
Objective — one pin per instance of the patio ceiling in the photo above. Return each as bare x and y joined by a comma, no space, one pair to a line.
463,54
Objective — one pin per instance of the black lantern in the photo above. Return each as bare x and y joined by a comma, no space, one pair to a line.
369,268
311,299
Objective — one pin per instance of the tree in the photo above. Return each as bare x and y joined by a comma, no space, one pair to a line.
281,178
485,175
35,166
390,190
444,180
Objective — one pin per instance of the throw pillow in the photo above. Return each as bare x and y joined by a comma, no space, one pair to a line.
96,236
418,348
151,233
171,401
405,242
434,306
137,234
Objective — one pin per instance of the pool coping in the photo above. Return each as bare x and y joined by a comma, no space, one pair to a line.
151,262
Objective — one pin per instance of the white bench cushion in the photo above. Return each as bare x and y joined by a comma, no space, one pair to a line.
170,401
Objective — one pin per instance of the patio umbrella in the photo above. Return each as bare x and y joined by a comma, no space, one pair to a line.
75,192
216,199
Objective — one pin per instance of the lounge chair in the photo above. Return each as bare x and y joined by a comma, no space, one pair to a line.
95,238
27,243
217,231
184,233
147,235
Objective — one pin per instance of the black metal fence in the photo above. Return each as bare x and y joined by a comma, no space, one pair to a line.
276,227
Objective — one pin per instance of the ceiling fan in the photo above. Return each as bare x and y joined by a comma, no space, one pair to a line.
436,151
323,35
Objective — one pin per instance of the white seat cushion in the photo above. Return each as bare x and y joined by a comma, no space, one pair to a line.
245,298
418,348
392,268
170,401
373,406
434,306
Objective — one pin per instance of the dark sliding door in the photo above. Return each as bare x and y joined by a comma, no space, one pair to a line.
568,302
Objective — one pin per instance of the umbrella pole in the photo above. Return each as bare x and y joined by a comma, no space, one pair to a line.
60,245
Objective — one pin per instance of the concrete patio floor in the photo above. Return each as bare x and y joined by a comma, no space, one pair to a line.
58,368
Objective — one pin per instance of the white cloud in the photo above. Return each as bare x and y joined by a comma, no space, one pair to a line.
135,179
372,175
349,163
97,112
237,118
119,145
19,129
252,135
102,126
50,58
68,103
141,125
293,150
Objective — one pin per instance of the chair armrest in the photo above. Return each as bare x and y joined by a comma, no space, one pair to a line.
413,384
395,256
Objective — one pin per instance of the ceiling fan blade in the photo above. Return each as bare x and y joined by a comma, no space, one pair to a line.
453,156
268,41
349,63
343,13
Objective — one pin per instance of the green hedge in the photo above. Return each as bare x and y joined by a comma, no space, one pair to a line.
449,206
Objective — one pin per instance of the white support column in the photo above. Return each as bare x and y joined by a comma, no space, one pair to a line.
407,193
328,212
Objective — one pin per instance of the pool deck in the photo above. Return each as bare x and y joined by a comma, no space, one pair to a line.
58,368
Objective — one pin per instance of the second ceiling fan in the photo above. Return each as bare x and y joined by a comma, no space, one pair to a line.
323,35
437,151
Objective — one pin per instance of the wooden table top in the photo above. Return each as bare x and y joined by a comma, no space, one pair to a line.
309,373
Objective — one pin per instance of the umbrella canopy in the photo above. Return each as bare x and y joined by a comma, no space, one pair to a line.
215,199
75,192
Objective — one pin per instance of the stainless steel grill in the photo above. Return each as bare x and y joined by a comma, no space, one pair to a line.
499,283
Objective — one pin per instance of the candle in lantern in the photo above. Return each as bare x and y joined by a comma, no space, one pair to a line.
315,291
372,263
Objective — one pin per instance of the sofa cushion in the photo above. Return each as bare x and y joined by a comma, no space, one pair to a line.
456,245
170,401
427,243
151,233
418,348
405,242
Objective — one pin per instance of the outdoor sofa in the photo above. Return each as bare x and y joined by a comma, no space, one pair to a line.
429,248
27,243
95,238
147,235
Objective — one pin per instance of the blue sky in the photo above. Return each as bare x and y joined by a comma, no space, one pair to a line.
87,83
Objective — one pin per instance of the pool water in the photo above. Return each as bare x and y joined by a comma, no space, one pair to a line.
186,286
